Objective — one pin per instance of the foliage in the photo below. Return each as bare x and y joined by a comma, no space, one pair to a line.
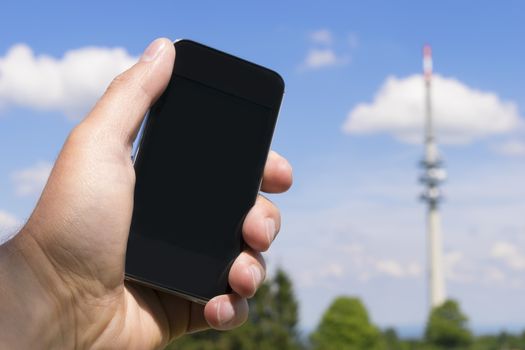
345,325
447,327
272,323
502,341
392,341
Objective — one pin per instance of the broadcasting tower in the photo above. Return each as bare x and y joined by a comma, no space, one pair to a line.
433,176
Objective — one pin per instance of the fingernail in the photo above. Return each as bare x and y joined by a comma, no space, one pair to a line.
153,50
225,313
270,229
256,275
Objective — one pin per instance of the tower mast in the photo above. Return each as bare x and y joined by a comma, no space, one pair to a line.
433,176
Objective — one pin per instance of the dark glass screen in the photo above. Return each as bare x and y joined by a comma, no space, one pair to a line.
198,170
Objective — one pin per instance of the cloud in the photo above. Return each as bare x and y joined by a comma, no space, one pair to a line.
353,260
361,265
322,58
322,54
511,148
370,265
70,84
396,269
509,255
322,37
462,114
8,225
333,269
327,272
31,181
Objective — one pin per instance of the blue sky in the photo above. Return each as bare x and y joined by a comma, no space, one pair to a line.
352,222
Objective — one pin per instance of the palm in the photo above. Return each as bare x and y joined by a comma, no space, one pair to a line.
98,237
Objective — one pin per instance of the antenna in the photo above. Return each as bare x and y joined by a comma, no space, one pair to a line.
433,175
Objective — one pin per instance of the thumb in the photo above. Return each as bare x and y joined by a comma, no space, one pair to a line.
121,109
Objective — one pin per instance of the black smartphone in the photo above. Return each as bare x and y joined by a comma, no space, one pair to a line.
199,166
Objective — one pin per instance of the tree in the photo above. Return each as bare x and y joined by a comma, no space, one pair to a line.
272,323
286,306
392,341
345,325
447,327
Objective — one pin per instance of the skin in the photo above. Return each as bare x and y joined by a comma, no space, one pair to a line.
62,276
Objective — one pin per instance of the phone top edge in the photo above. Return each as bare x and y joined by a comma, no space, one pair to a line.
229,73
275,73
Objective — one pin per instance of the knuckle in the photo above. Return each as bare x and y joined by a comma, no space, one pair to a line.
78,135
121,80
130,81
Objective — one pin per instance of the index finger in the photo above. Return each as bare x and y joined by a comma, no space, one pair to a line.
277,176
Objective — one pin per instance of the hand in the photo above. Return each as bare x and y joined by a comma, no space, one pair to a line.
62,277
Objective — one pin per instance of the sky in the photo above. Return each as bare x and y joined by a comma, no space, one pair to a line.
350,124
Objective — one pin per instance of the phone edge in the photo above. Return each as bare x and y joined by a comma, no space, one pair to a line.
158,287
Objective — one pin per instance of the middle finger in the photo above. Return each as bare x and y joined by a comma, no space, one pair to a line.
261,224
247,273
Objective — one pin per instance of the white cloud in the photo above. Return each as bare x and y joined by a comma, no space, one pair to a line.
322,36
8,225
511,148
390,268
509,255
461,113
31,181
70,84
396,269
322,54
369,265
322,58
353,260
333,269
327,272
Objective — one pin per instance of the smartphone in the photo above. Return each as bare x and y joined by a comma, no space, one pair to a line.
199,166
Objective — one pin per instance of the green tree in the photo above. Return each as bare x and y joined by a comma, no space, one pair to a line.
346,326
272,323
501,341
392,341
286,306
447,327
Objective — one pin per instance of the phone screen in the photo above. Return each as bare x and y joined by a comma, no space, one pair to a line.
198,170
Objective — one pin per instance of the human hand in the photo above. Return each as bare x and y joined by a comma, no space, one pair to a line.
62,277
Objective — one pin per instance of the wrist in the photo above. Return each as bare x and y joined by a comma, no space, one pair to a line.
32,300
